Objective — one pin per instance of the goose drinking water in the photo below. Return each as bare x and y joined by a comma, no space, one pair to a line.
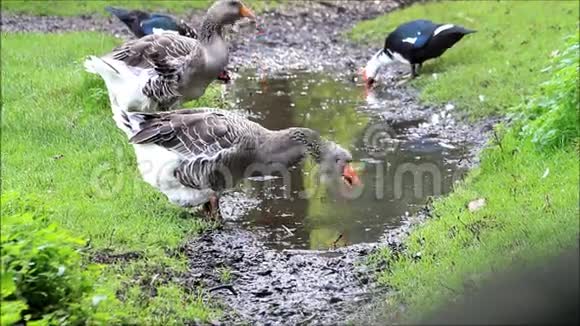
413,43
160,71
194,155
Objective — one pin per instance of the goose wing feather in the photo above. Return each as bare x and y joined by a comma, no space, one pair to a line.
170,55
142,52
193,134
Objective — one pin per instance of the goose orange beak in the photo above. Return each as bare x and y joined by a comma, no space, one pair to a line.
350,177
246,12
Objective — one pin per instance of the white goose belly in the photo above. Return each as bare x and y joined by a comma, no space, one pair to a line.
157,166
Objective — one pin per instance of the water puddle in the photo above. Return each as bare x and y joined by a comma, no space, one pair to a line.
400,173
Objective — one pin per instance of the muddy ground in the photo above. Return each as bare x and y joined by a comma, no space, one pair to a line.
269,287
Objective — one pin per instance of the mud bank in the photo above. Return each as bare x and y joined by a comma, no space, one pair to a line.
270,287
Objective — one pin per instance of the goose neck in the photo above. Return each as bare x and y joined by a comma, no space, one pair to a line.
314,145
210,29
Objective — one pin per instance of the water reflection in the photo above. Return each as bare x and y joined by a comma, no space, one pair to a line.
307,215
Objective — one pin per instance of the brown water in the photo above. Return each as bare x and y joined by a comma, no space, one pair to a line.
399,174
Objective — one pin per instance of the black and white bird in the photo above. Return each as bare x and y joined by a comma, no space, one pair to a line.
413,43
192,156
143,23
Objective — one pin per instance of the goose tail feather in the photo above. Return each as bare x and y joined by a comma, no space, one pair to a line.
96,65
128,122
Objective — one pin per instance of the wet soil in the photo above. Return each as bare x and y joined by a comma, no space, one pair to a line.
271,287
263,285
111,257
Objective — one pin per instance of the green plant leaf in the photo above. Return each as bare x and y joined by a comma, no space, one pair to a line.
8,285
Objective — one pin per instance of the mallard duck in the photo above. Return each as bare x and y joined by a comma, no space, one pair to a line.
143,23
194,155
158,72
414,43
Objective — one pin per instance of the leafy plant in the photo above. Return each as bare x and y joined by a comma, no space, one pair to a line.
43,276
225,274
552,116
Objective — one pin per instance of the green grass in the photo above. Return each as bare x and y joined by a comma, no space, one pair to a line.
526,217
59,143
501,62
87,7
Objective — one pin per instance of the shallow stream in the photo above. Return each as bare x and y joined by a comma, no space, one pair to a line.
399,173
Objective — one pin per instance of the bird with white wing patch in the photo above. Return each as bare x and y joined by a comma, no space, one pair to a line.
413,43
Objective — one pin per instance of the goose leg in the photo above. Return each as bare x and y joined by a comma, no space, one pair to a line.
206,209
211,209
214,203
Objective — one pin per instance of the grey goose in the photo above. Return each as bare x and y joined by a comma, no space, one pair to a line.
160,71
142,23
193,155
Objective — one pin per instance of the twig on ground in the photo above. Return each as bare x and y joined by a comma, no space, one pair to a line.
228,287
337,240
304,321
153,279
334,270
287,230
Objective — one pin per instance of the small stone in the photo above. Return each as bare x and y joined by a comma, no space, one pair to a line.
262,293
476,205
265,272
334,300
